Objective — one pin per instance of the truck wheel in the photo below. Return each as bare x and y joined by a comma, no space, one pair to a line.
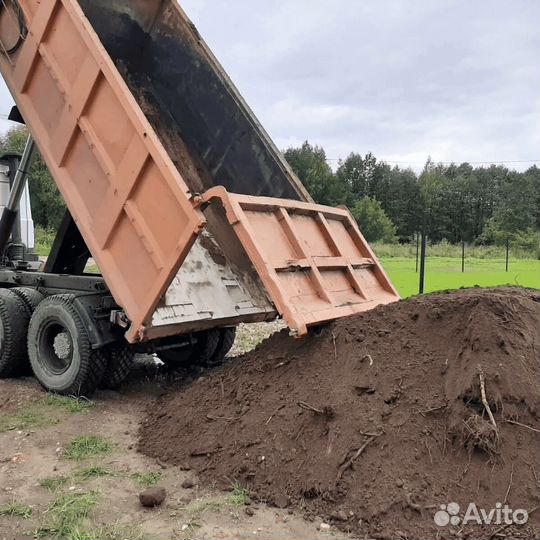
14,318
119,363
31,299
29,296
59,348
205,348
226,341
199,354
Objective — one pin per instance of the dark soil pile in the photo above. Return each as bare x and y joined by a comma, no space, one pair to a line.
378,420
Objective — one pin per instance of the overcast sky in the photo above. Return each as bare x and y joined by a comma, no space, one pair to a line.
454,79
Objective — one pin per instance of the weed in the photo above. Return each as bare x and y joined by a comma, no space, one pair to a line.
70,404
239,495
29,418
189,528
54,483
43,413
83,475
119,531
44,240
87,446
66,516
198,507
15,509
108,532
148,479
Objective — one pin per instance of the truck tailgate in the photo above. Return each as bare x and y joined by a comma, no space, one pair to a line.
313,260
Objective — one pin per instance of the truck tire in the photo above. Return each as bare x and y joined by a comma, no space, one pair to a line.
197,355
60,353
226,341
14,319
119,363
31,297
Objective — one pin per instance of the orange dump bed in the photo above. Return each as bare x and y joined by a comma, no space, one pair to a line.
312,259
138,123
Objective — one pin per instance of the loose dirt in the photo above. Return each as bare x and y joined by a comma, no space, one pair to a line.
377,421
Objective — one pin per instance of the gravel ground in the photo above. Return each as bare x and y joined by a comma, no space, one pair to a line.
249,336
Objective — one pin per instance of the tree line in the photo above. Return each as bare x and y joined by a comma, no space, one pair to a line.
477,205
456,202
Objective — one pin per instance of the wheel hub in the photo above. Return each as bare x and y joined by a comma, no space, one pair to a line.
62,346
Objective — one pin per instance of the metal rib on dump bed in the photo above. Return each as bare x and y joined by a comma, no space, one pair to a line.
312,259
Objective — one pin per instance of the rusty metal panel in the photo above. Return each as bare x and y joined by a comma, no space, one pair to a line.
313,260
129,201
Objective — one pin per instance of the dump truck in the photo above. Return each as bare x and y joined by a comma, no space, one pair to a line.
172,186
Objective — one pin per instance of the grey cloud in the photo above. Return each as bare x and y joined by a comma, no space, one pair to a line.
454,79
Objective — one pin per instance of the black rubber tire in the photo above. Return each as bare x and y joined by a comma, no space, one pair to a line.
120,360
14,319
226,341
83,371
29,296
198,355
31,299
208,342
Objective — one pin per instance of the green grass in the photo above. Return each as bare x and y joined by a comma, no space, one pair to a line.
116,531
148,479
66,516
44,241
444,273
239,495
82,475
197,507
70,404
53,483
43,413
445,249
87,446
69,516
31,417
15,509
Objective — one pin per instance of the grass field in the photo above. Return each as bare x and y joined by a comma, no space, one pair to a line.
445,273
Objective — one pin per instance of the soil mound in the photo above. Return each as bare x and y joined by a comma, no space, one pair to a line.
379,420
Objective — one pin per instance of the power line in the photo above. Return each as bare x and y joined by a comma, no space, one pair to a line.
452,162
5,117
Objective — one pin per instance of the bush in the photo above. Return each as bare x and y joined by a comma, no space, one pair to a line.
373,222
44,241
445,249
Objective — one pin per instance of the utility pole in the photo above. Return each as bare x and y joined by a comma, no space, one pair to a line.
417,249
422,261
